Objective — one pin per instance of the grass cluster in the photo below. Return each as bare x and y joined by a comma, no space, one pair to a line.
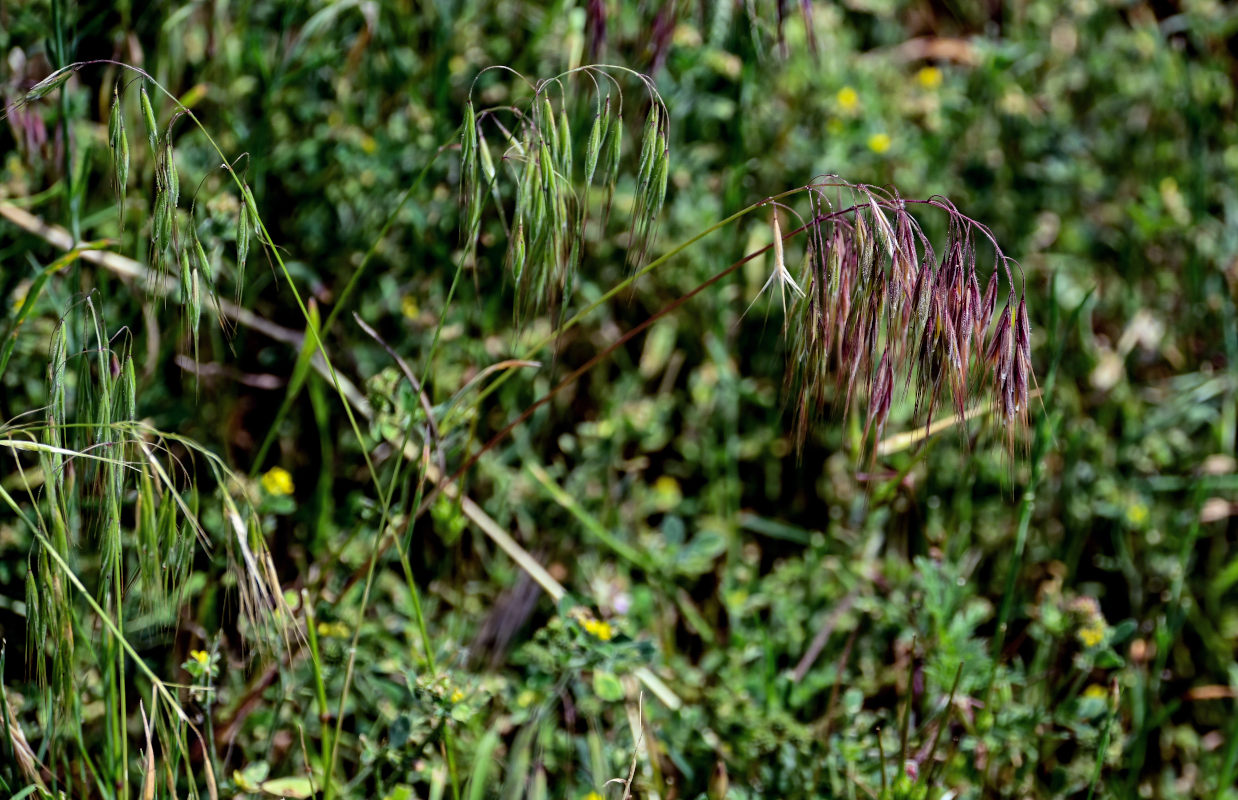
380,422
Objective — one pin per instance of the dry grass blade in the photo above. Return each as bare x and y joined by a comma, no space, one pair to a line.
27,762
148,767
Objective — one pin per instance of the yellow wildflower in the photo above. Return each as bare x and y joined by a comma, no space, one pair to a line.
1137,515
929,77
1092,634
368,145
201,656
456,695
409,307
334,630
848,99
277,481
666,492
593,796
599,629
1096,692
879,142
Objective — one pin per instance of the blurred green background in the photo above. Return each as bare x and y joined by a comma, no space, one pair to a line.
799,603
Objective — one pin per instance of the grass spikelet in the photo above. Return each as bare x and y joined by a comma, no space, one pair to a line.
161,226
49,84
487,162
35,629
593,145
565,143
614,152
780,275
654,153
243,226
546,123
55,376
468,138
195,302
649,141
204,261
129,390
186,274
661,173
148,116
118,140
470,193
170,176
864,246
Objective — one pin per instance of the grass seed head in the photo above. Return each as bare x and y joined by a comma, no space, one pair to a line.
546,123
119,143
49,84
242,241
565,143
148,116
171,177
593,147
874,321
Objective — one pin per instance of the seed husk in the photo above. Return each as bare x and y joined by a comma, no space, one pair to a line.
148,116
593,147
242,238
565,143
119,141
171,177
204,263
549,134
49,84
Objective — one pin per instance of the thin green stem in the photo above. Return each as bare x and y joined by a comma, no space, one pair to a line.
320,686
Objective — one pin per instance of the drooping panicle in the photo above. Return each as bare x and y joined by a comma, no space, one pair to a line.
882,311
547,176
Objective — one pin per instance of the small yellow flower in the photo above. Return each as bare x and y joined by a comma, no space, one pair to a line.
879,142
1137,515
409,307
333,630
1092,634
456,695
599,629
1096,692
277,481
368,145
667,493
201,656
929,77
593,796
848,99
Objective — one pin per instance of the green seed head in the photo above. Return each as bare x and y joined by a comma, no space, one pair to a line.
148,115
